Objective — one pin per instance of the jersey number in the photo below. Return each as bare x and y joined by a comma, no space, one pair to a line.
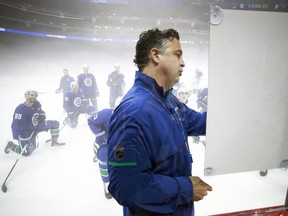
18,116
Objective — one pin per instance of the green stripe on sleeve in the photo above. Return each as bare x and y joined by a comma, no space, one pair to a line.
119,164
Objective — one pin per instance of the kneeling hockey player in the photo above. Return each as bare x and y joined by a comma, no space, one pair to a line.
28,120
74,105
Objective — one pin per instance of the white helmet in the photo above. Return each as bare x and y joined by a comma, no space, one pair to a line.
29,91
73,84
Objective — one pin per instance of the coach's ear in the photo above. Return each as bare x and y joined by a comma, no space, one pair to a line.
155,55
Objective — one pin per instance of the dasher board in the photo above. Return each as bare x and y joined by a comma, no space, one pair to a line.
247,123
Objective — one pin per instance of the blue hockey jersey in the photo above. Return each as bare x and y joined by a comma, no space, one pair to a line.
65,83
148,153
26,119
87,84
72,101
116,83
98,123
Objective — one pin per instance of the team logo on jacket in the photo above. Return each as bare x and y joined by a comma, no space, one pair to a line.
88,82
77,101
119,152
35,119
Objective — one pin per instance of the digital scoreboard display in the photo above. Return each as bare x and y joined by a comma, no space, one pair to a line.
256,5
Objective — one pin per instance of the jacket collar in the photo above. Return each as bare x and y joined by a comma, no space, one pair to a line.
151,85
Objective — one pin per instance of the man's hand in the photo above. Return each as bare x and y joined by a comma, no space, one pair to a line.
42,117
97,93
200,188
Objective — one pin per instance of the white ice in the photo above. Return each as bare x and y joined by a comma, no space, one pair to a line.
65,181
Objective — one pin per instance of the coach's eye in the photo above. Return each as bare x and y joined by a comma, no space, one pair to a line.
179,55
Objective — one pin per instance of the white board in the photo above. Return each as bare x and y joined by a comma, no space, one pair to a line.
247,125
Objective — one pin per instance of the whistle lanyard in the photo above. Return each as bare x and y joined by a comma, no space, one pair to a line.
177,119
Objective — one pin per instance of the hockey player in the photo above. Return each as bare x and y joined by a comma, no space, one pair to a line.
117,85
99,125
183,94
88,87
28,120
202,99
65,82
197,82
74,106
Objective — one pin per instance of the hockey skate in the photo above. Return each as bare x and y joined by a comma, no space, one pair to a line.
107,194
56,143
95,158
9,146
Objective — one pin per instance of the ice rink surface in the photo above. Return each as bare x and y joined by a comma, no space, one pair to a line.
64,181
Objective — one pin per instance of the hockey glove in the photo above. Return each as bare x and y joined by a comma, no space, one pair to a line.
42,117
97,93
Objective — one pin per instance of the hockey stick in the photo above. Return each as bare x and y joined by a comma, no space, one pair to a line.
4,187
203,103
46,92
64,123
49,140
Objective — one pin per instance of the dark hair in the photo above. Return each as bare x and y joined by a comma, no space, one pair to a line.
150,39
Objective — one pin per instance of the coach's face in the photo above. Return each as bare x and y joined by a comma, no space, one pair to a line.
171,62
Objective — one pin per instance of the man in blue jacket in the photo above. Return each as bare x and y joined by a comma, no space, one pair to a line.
149,161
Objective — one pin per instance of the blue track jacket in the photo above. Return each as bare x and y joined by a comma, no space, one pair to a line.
148,153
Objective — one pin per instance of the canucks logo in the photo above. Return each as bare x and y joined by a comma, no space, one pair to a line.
77,101
88,82
35,119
